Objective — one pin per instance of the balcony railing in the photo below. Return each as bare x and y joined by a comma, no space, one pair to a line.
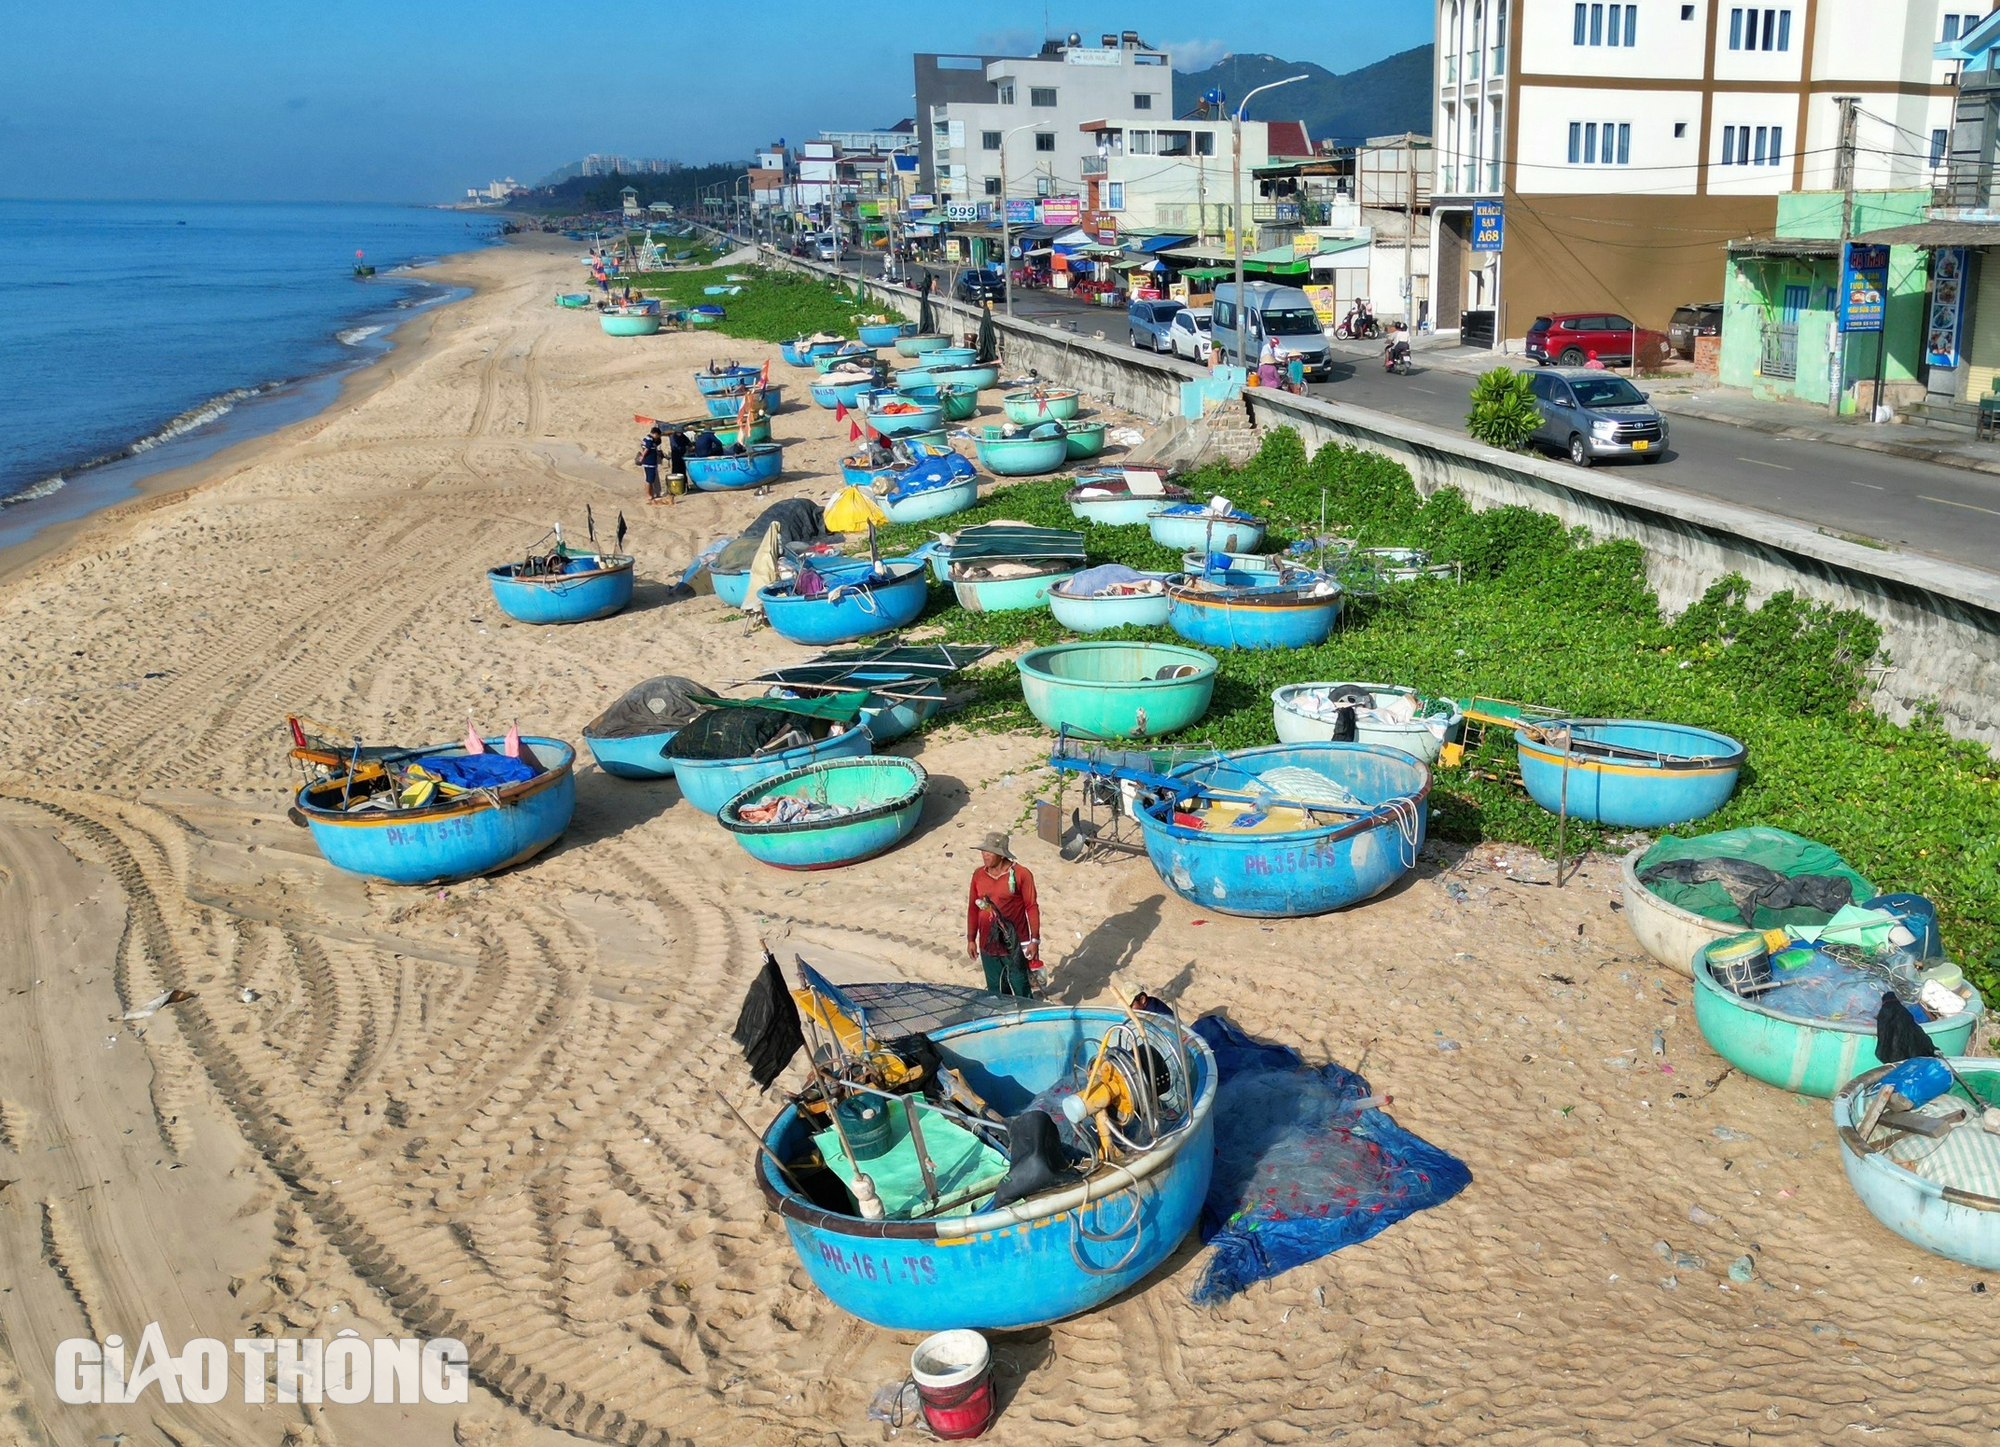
1096,166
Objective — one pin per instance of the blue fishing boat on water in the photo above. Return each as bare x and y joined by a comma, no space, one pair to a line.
629,739
963,1239
1294,608
1629,773
1122,498
438,814
729,377
883,334
760,463
828,814
562,587
1937,1185
1280,831
757,735
848,606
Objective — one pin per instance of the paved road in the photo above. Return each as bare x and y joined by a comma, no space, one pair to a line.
1849,492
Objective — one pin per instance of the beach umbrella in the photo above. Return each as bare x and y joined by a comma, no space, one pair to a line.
989,345
926,320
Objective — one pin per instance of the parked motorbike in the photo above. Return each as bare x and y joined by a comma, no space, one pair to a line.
1359,324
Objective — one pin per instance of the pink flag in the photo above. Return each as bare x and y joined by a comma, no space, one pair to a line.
512,747
473,743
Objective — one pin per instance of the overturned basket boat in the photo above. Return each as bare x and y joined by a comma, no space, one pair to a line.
882,796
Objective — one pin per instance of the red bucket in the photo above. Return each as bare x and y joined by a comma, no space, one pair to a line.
955,1383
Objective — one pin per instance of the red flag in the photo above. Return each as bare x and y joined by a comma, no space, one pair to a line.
840,411
854,432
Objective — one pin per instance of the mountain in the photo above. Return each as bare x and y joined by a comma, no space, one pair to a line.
1384,99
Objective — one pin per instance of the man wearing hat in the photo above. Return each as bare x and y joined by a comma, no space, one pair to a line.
1003,922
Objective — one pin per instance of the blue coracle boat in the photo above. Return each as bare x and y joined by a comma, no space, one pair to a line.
1254,610
882,796
1049,1256
1943,1194
883,334
853,606
636,756
588,586
1185,526
1107,498
1250,848
732,378
1628,773
461,837
728,404
800,352
759,463
708,784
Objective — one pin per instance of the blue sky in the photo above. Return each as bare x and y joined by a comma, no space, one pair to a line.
413,102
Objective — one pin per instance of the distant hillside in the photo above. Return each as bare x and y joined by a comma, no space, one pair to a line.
1384,99
601,193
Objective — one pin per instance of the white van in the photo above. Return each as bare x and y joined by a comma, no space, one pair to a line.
1281,312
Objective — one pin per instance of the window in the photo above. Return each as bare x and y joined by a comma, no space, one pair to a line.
1174,143
989,140
1142,102
1939,139
1004,92
1045,140
1753,145
993,185
1598,24
1687,12
1204,143
1042,95
1754,29
1680,130
1139,143
1608,143
1114,196
1958,25
1222,314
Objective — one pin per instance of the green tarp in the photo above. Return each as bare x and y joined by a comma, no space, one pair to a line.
839,707
1776,849
966,1169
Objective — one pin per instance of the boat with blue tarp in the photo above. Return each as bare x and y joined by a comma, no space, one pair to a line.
437,814
1289,608
737,742
937,484
1627,773
1213,528
951,1187
825,815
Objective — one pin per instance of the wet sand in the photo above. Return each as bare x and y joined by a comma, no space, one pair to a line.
487,1111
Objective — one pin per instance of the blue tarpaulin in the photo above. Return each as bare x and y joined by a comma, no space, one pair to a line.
931,474
478,771
1299,1172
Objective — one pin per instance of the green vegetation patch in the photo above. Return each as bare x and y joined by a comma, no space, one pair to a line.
774,306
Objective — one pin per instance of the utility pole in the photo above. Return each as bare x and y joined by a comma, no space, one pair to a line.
1844,179
1409,234
1241,317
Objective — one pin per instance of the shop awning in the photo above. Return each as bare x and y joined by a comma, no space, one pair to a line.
1206,273
1164,243
1936,233
1803,246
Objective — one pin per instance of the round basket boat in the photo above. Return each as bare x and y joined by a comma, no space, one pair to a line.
1254,610
847,354
1083,440
708,784
919,418
1093,613
953,357
587,588
470,834
978,593
959,403
728,404
1629,773
882,797
884,334
629,323
936,502
1049,1256
1057,404
705,315
1022,456
973,378
762,462
801,353
1943,1194
916,344
855,606
1117,690
1196,528
1298,723
726,379
1108,500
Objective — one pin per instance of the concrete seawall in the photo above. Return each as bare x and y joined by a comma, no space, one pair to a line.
1940,621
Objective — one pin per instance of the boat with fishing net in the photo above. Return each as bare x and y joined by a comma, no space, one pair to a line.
825,815
629,739
1116,690
967,1160
904,683
1627,773
437,814
1928,1170
737,742
1368,713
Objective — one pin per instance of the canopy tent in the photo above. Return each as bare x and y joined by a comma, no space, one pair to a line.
1165,243
1205,273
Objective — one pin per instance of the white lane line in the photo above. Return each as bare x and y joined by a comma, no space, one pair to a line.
1968,506
1872,487
1755,463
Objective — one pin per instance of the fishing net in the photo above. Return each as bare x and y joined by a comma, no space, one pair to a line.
1777,850
798,519
659,703
730,733
1300,1171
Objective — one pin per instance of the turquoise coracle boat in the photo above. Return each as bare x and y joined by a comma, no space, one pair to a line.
880,800
1022,456
708,784
630,322
917,343
1187,527
1093,613
1942,1194
883,334
588,586
1107,499
1058,1251
1803,1055
973,379
1629,773
1083,440
1117,690
1055,404
801,353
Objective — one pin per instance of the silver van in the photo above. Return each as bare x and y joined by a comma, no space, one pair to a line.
1282,313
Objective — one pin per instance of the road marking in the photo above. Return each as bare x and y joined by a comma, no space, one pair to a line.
1871,486
1755,463
1968,506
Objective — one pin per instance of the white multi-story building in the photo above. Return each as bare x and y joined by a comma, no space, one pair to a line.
1629,142
1175,174
1035,117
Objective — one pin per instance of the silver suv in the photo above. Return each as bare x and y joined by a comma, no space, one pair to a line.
1592,414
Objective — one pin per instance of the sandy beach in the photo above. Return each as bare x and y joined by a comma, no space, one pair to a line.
488,1111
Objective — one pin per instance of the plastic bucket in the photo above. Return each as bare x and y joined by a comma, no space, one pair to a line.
865,1121
954,1378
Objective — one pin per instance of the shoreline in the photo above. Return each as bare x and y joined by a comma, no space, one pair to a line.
349,388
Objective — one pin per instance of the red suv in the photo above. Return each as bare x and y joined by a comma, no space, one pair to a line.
1571,339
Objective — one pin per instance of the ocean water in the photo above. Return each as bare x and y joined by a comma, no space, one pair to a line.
139,336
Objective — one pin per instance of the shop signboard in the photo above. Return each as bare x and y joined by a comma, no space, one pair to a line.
1864,283
1947,306
922,201
1061,210
1021,212
1489,226
961,211
1326,306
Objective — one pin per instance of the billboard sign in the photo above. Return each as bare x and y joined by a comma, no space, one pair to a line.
1489,226
1864,284
1947,306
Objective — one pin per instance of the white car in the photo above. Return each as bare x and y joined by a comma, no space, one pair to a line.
1188,337
826,249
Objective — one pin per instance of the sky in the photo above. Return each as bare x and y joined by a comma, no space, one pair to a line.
362,101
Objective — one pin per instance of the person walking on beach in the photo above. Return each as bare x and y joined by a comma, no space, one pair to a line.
677,456
649,461
1003,919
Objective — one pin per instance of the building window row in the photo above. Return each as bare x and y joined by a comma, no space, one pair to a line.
1593,143
1753,145
1754,29
1045,95
1961,24
1606,25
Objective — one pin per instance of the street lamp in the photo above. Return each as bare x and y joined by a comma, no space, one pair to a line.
1006,230
1236,200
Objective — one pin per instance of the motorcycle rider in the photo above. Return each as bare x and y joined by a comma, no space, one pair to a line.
1396,353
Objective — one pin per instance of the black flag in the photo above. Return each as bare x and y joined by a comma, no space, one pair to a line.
768,1026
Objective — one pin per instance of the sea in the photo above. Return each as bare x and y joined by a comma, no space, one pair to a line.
141,336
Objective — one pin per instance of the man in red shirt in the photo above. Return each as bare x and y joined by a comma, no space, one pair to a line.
1001,914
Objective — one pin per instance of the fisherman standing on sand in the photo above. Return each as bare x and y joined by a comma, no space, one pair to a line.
649,461
1003,919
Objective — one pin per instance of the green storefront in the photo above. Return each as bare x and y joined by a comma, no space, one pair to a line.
1780,305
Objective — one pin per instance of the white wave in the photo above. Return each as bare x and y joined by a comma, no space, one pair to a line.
355,336
43,488
209,411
